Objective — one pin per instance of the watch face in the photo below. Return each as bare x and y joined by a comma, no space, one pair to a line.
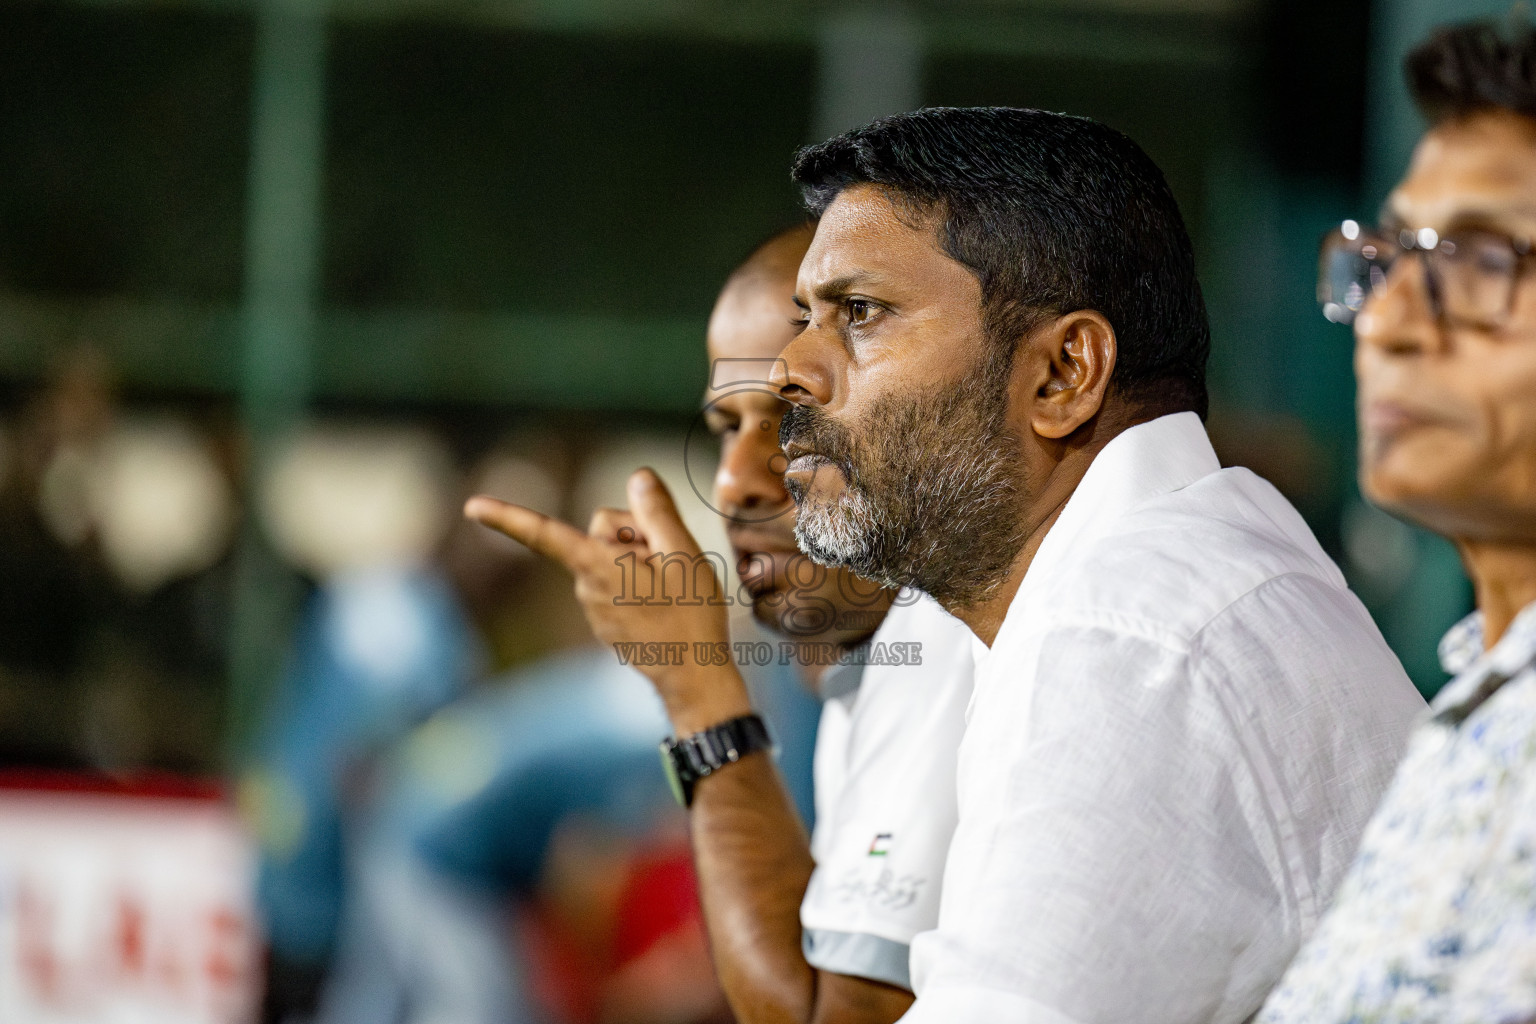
669,769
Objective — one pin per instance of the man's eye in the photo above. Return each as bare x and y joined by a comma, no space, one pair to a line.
860,311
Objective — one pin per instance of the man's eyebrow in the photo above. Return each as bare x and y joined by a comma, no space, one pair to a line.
830,291
840,286
1472,216
1483,216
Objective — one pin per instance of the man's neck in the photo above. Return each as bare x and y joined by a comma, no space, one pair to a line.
986,616
1504,578
1050,493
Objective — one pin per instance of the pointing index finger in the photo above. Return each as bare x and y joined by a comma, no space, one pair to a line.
541,533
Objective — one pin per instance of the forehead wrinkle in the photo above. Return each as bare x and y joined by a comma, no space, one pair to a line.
865,212
1477,169
831,288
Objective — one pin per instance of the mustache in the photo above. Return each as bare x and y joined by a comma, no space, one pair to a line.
816,432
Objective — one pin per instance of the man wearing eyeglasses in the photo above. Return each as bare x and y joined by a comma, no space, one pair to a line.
1437,919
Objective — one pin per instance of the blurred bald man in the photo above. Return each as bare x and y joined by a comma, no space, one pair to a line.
801,931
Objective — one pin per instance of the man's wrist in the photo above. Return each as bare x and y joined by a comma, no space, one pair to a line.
690,759
697,718
701,699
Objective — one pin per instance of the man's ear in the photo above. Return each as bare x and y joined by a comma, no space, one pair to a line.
1073,358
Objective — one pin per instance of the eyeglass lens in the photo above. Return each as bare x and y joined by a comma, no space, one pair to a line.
1470,276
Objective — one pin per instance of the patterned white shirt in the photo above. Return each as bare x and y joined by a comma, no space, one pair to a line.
1437,918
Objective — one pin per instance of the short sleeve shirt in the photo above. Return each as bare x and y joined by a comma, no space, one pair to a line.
885,795
1176,739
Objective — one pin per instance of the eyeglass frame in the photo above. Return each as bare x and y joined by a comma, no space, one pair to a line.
1429,244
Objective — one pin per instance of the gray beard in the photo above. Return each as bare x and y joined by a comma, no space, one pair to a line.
840,531
933,491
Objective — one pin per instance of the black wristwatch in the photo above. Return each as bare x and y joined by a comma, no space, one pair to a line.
689,759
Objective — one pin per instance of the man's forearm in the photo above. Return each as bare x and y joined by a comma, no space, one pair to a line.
752,856
754,863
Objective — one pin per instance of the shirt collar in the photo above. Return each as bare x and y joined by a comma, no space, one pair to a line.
1478,672
844,677
1143,462
1462,644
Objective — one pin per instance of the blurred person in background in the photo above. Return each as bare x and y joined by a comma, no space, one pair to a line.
52,588
814,931
523,864
1437,918
114,535
49,585
382,642
124,877
520,859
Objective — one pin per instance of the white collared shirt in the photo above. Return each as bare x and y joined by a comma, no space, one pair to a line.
885,797
1175,741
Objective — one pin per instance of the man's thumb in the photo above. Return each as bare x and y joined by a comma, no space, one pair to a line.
656,514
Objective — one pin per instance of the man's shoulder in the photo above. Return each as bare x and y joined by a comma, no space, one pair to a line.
1177,562
919,639
904,718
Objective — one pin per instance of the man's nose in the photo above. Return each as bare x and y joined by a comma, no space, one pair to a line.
751,472
1399,318
802,373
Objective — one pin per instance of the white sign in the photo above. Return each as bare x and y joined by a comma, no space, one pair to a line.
125,910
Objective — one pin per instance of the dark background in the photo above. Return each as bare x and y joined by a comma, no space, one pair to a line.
521,213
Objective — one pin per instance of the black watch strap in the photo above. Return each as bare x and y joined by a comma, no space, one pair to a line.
691,758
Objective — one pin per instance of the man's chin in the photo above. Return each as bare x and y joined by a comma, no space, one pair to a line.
1430,504
828,542
768,609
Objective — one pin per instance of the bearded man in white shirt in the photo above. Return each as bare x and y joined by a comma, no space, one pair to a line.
886,745
1182,717
794,939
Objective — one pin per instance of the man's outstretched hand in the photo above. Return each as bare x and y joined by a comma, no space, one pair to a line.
750,847
618,565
